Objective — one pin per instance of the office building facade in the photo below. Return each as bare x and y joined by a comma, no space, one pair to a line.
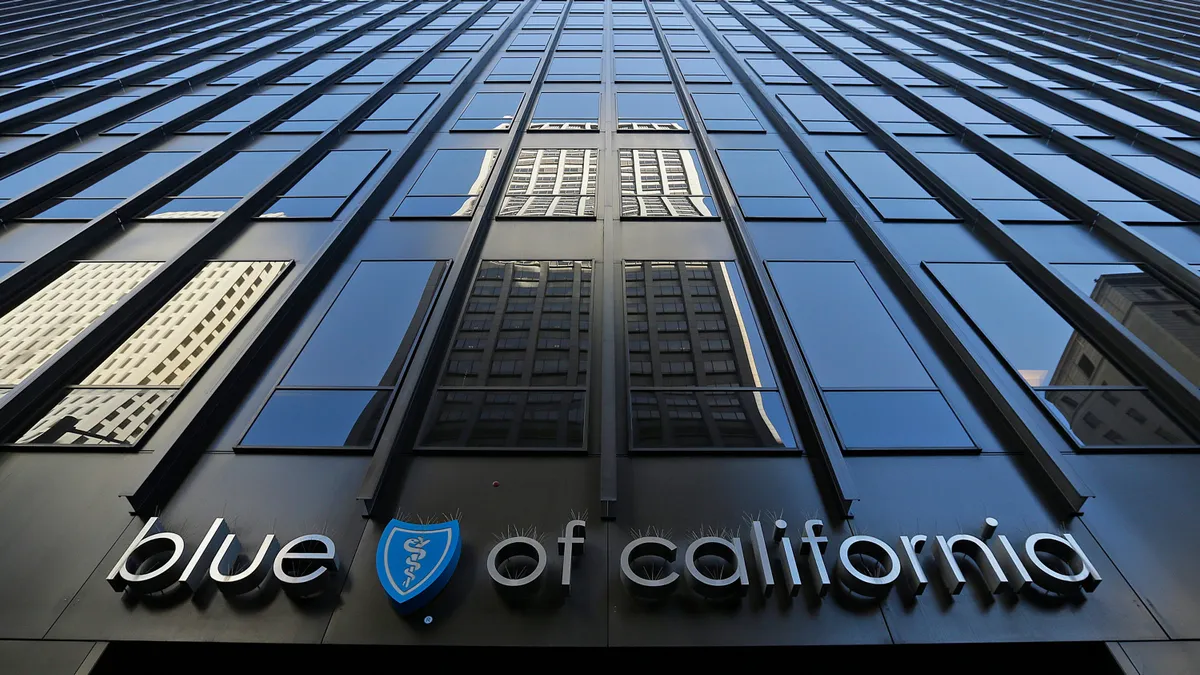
868,328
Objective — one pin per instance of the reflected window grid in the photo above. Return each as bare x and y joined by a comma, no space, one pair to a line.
552,183
699,374
518,371
663,184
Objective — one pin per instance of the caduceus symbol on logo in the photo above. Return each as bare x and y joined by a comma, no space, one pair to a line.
415,546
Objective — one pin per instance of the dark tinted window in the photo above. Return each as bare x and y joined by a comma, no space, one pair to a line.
35,175
649,111
847,336
514,69
726,112
398,113
324,189
566,111
449,185
490,111
889,189
239,174
766,186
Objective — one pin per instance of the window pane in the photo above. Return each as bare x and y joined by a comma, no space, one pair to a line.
1167,323
502,343
766,186
645,111
449,185
239,174
696,419
505,419
338,174
38,327
574,111
358,342
726,112
318,419
692,324
663,184
1114,417
100,417
35,175
848,337
574,69
895,420
490,111
1035,340
889,189
398,113
514,69
552,183
136,175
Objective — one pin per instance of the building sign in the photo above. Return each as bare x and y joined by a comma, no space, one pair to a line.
1051,562
415,562
155,561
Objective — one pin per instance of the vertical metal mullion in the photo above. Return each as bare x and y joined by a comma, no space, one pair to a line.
803,394
935,308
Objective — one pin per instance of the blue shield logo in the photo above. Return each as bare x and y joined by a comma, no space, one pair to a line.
414,562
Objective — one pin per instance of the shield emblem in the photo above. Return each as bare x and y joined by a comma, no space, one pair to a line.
414,562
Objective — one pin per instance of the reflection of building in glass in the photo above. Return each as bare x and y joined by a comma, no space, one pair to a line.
1167,323
40,326
564,126
650,126
1099,412
552,182
119,400
517,372
663,184
690,330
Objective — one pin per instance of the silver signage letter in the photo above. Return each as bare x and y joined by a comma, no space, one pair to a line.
511,548
952,575
791,578
640,586
1064,548
195,573
856,580
312,583
151,541
813,545
568,550
766,580
260,568
917,580
728,550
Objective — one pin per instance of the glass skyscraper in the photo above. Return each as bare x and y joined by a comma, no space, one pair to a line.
873,323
